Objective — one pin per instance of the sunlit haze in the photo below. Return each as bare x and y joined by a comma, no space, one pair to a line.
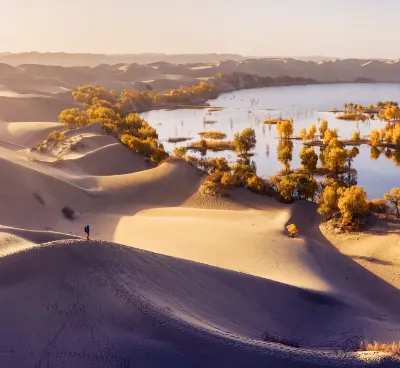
342,28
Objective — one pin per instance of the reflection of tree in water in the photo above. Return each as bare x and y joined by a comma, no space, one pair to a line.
396,158
350,177
253,166
389,154
321,155
350,155
267,150
285,152
374,153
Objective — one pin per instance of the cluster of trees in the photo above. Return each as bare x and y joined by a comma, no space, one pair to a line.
285,128
310,135
392,155
350,107
390,134
352,203
106,107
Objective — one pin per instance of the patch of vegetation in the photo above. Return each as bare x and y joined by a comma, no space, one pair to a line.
212,185
292,229
68,213
178,139
56,136
213,145
391,348
212,135
352,116
208,121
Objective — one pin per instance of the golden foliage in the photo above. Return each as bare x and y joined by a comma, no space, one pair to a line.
292,229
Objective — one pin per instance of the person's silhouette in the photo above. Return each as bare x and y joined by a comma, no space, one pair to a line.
87,231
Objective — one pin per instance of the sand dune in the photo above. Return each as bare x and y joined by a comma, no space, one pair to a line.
161,306
217,280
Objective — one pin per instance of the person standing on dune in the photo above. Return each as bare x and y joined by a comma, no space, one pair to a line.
87,231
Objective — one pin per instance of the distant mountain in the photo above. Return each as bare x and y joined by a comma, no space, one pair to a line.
44,79
68,60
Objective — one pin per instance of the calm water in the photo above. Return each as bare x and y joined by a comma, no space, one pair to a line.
249,108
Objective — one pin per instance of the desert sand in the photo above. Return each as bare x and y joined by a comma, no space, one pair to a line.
173,277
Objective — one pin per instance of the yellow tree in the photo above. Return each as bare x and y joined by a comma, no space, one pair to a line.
352,203
394,199
311,132
285,153
335,159
285,129
309,159
374,136
303,134
327,202
292,229
356,136
323,128
330,134
245,141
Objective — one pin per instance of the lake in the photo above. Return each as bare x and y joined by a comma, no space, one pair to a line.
305,104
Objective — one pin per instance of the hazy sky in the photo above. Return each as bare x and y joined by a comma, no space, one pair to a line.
343,28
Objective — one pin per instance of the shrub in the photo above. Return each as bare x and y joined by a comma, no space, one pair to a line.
352,204
218,165
379,206
256,184
394,199
212,185
292,229
230,180
68,213
179,152
55,135
158,155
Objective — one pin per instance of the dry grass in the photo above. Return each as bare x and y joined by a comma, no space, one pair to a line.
208,121
214,146
212,135
393,348
178,139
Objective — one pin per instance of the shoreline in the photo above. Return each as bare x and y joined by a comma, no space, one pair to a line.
205,103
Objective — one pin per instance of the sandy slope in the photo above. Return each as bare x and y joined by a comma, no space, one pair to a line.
232,275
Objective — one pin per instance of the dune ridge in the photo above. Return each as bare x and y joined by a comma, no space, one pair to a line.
197,281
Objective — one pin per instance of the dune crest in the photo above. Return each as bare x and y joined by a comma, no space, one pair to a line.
197,282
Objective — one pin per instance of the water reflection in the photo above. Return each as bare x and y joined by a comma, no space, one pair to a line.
308,105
